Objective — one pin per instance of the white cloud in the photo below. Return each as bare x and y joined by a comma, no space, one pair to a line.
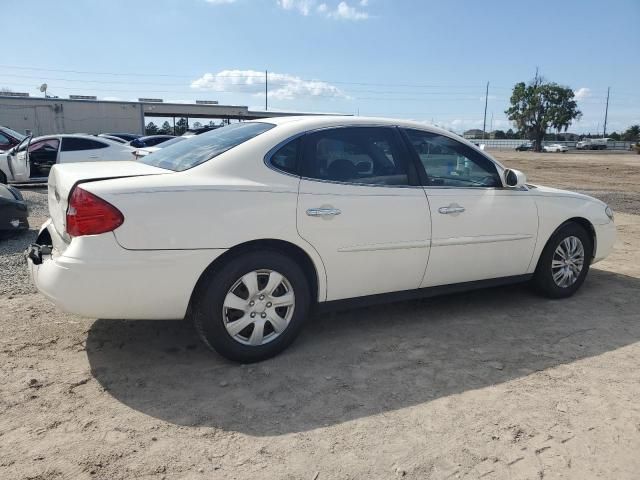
302,6
582,93
282,86
345,12
220,2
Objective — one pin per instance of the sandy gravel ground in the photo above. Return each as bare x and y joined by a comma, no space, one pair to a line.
497,383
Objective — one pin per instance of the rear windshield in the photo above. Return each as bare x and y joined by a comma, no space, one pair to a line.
184,155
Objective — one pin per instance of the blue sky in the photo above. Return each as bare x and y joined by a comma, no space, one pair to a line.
423,60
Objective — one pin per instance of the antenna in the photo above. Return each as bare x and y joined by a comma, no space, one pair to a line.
486,98
606,112
43,88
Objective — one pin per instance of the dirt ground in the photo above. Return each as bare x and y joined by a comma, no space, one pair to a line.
497,383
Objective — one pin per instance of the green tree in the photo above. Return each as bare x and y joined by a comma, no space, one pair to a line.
538,106
510,133
614,136
166,129
632,134
197,125
181,126
499,135
151,129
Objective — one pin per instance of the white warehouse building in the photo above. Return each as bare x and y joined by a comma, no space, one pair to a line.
43,116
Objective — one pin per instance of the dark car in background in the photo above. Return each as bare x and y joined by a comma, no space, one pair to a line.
524,147
150,141
13,211
9,138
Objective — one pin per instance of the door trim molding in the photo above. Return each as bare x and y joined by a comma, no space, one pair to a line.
446,242
386,246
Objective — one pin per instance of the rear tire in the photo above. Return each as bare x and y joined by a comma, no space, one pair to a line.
564,262
236,311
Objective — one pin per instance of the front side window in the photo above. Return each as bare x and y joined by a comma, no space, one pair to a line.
44,146
71,144
361,155
449,163
196,150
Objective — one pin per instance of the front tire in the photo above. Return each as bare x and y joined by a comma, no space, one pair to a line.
564,262
253,307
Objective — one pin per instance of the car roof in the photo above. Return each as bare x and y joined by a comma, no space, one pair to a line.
319,121
75,135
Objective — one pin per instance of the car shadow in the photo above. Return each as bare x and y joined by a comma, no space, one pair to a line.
363,362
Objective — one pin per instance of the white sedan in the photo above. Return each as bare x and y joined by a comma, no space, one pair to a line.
248,228
556,147
32,159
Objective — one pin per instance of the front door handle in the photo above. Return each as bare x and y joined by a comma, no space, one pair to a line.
323,212
453,208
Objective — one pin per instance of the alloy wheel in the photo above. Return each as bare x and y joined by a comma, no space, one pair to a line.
567,262
258,307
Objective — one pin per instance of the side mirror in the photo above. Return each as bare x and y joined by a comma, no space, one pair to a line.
514,178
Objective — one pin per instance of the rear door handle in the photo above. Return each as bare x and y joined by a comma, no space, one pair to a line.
453,208
323,212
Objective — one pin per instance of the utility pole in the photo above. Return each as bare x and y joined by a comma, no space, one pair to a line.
266,88
486,98
606,112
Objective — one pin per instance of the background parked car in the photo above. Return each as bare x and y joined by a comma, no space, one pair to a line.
13,211
556,147
150,141
31,160
111,137
9,138
523,147
125,136
143,152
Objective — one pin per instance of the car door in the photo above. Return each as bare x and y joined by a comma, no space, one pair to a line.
43,154
480,230
78,149
361,208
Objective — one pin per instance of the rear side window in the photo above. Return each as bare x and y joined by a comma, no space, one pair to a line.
286,158
361,155
184,155
70,144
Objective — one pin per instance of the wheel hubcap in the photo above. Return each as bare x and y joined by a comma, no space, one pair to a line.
567,262
258,307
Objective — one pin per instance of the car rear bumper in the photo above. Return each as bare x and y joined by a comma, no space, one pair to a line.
605,239
95,277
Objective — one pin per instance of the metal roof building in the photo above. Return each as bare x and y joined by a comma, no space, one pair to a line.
43,116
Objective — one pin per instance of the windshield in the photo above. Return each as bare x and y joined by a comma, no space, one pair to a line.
184,155
17,135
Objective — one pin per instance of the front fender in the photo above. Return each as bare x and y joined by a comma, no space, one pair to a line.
556,208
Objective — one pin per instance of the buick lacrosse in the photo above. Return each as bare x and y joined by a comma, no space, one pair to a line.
248,228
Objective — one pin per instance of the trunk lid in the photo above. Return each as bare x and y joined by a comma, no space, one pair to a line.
63,177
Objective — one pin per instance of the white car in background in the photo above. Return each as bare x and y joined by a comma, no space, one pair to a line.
248,228
143,152
32,159
556,147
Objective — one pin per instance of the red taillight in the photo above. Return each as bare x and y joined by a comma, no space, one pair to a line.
88,214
